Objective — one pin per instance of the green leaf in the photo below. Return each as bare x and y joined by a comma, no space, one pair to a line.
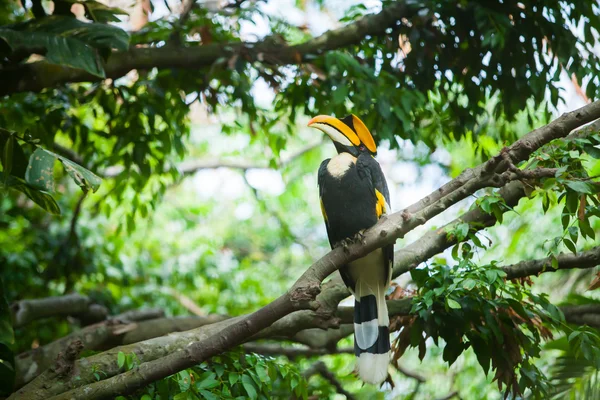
99,12
7,341
248,385
19,160
83,177
419,276
208,395
554,262
572,202
40,171
41,198
586,229
570,245
453,304
130,360
184,380
7,156
461,231
207,380
121,359
146,397
592,151
580,187
67,41
233,378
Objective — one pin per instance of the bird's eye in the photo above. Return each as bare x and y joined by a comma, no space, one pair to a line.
362,148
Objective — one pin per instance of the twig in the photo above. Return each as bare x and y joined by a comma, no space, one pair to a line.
186,302
320,368
409,373
192,166
293,352
282,223
449,396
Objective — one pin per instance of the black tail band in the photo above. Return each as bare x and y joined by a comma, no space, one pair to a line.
381,346
365,309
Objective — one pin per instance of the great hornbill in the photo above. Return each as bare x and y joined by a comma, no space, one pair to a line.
354,195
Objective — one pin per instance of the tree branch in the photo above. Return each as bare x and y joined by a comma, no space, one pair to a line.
293,352
39,75
585,314
585,259
121,329
320,368
76,305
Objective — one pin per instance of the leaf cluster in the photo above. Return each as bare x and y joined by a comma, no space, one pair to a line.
232,375
471,306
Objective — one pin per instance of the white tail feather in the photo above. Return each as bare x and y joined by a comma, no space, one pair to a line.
373,368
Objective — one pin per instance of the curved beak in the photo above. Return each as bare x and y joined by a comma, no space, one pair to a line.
321,119
342,136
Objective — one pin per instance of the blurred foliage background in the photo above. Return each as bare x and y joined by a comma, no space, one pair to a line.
208,202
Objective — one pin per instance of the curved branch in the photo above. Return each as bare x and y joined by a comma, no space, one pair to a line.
584,259
39,75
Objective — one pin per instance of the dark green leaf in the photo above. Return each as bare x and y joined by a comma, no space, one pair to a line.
67,41
7,156
580,187
40,171
570,245
7,341
248,385
84,178
42,199
592,151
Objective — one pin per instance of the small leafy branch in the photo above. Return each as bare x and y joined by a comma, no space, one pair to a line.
34,175
504,322
129,361
233,375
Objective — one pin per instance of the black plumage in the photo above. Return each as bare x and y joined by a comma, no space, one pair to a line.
350,202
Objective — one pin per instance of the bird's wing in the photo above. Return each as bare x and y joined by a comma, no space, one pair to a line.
370,169
320,179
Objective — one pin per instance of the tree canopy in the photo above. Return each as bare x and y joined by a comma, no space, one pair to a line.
179,251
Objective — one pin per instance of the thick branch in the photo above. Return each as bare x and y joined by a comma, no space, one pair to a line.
127,328
585,314
25,311
39,75
585,259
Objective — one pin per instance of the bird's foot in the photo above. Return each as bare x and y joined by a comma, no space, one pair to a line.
360,237
344,244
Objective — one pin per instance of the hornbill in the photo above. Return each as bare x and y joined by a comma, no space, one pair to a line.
354,195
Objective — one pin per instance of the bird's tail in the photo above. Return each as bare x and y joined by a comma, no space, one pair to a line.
371,331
